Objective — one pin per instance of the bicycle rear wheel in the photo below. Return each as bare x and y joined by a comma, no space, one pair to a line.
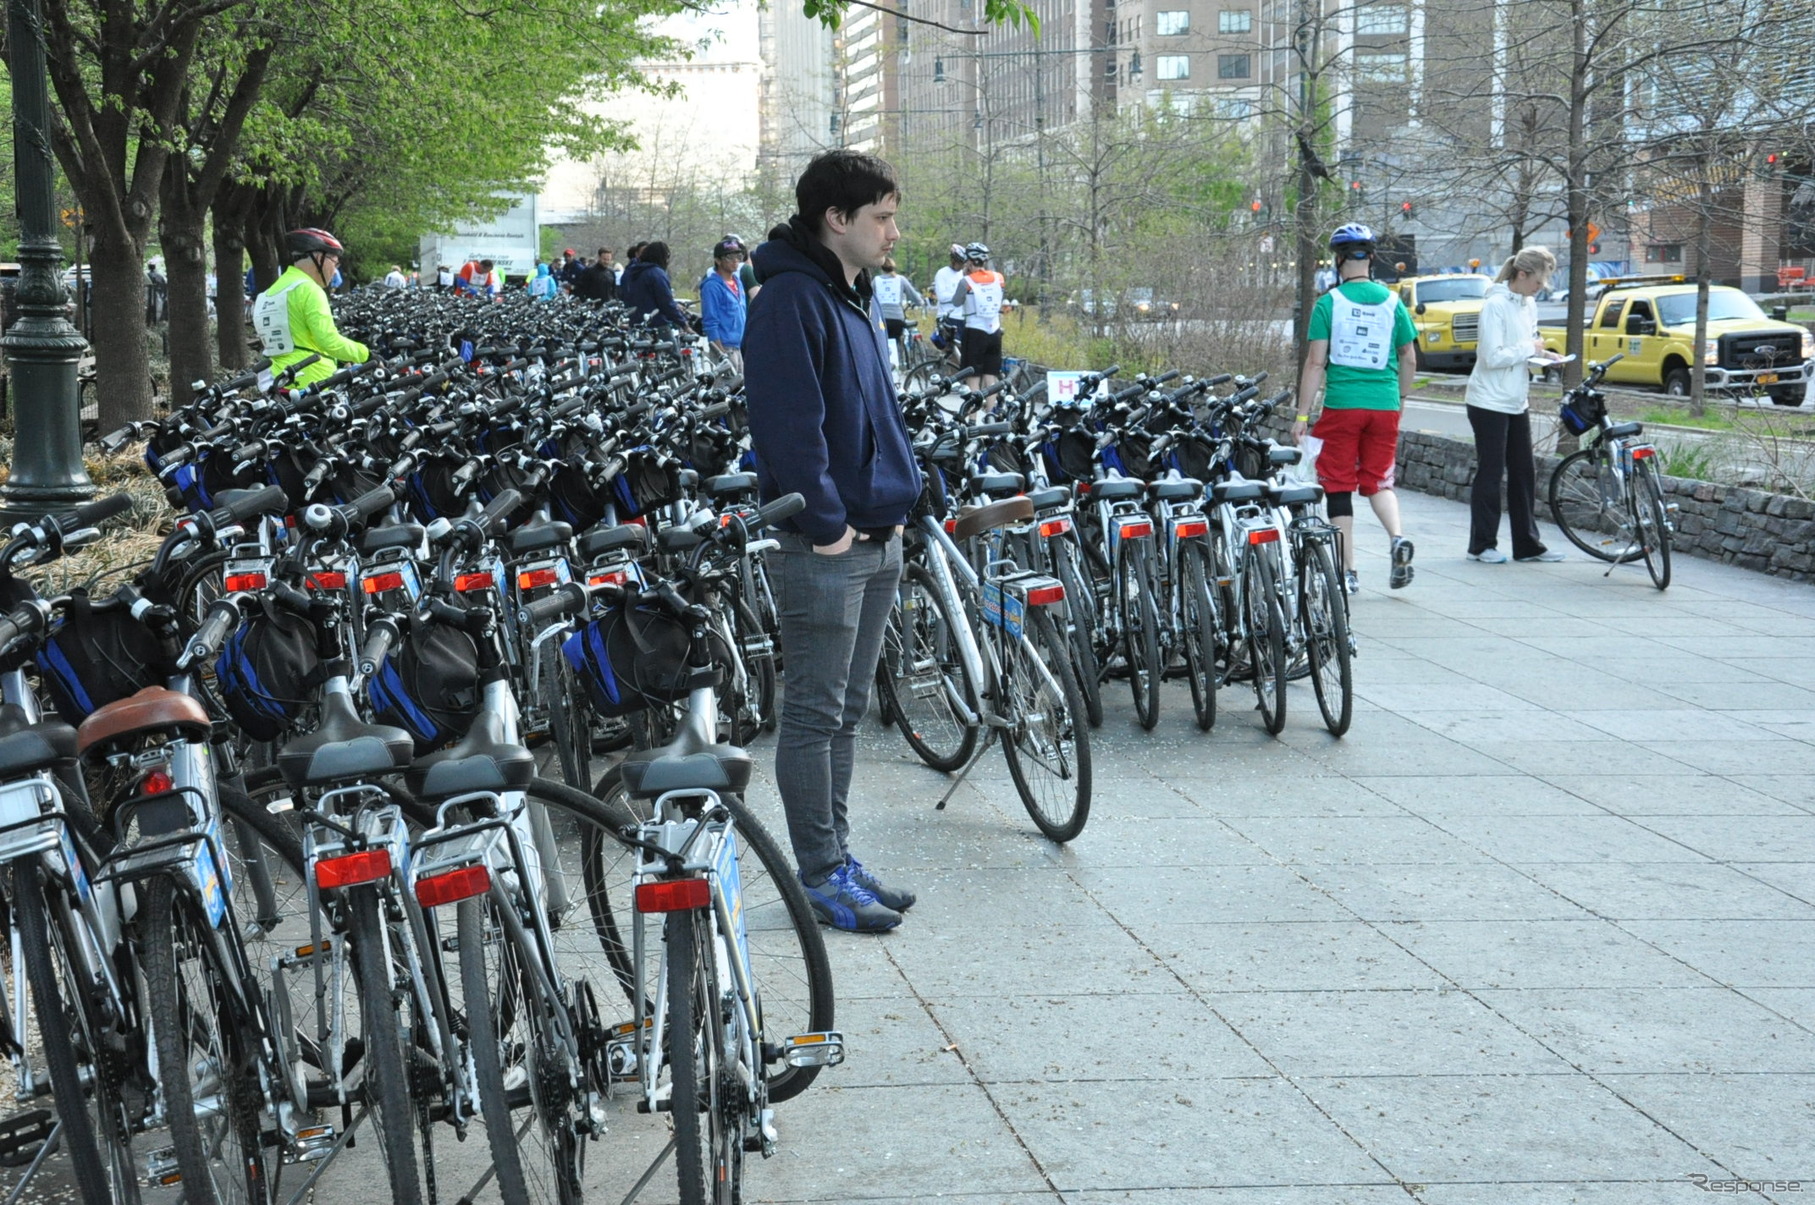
1651,523
1585,501
1198,626
1048,746
1325,609
205,1051
708,1152
923,677
386,1033
1140,630
1266,640
1082,624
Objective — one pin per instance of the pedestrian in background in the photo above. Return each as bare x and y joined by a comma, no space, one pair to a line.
722,302
894,293
598,282
646,288
1499,411
395,279
543,286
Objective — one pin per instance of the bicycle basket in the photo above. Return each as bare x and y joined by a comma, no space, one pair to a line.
428,685
100,655
634,657
266,673
1004,456
433,492
1133,452
1582,411
650,480
710,449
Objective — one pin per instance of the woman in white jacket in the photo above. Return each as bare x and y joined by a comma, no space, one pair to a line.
1498,411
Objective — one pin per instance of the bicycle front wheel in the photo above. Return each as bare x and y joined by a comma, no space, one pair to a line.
1047,745
1198,624
1651,523
925,683
1267,640
1082,622
1140,630
205,1060
1325,611
1586,502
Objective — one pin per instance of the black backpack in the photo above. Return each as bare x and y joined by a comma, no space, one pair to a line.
267,671
428,685
100,655
634,657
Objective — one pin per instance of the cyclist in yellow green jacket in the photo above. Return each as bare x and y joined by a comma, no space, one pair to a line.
292,316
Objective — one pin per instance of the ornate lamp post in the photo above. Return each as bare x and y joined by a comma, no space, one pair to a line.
42,348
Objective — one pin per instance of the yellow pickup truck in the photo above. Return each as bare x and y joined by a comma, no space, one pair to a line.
1447,312
1747,351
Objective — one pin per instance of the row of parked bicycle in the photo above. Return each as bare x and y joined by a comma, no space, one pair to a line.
283,871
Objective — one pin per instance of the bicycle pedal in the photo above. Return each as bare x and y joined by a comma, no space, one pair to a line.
161,1169
23,1135
311,1143
823,1049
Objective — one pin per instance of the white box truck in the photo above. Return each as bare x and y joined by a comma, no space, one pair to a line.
512,241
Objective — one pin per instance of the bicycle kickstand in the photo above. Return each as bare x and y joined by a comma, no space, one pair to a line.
983,746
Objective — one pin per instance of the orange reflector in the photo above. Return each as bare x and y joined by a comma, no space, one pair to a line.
1055,527
1045,596
473,581
673,895
530,579
1137,529
464,883
1192,527
1642,452
245,581
1264,535
327,581
350,870
378,583
615,578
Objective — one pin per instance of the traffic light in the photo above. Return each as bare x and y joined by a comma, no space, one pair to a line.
1355,189
1407,210
1772,161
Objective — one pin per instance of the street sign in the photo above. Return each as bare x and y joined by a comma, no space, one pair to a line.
72,218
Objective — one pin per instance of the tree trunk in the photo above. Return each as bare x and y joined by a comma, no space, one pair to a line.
261,245
229,283
1704,229
181,229
122,356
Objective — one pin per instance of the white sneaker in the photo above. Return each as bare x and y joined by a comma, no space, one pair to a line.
1489,556
1549,556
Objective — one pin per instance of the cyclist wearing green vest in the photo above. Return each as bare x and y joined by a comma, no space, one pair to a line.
292,316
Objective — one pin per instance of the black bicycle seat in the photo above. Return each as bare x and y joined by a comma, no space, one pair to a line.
482,760
1298,495
1178,491
34,747
1116,489
539,537
601,540
687,763
1622,430
392,535
1056,495
998,485
1236,491
343,748
730,483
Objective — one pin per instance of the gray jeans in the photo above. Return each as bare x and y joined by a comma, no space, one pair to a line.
833,613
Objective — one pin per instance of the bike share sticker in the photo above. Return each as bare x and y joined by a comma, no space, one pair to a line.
729,882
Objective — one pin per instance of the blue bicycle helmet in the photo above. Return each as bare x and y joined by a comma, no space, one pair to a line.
1353,241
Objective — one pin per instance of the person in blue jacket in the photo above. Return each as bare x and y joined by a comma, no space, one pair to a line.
824,423
645,288
722,302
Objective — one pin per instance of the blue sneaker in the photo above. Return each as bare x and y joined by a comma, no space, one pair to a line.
898,898
844,903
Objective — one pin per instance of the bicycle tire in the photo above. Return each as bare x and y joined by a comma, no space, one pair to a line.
1198,626
1082,623
1324,608
386,1086
1052,779
921,672
788,961
94,1136
509,1039
709,1172
752,710
1578,503
1140,631
1651,523
199,1031
569,718
1266,640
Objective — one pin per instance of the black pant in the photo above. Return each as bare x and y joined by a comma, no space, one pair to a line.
1503,449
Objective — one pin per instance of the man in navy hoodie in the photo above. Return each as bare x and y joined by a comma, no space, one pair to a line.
825,424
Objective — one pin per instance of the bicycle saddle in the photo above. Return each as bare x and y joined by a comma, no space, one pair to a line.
997,483
975,520
1178,491
153,709
1057,495
537,537
343,747
1298,495
1117,488
392,535
730,483
1236,491
692,761
1623,430
482,760
27,748
601,540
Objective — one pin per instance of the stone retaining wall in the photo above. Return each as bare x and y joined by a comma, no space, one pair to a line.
1736,525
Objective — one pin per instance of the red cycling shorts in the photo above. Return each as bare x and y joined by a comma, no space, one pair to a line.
1359,447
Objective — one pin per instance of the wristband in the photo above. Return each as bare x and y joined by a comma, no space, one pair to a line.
1303,418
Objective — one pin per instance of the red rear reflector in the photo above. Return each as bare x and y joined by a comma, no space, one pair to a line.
327,581
378,583
350,870
1055,527
1134,531
1264,535
473,581
1193,527
1045,596
156,783
532,578
951,527
464,883
1639,453
673,895
615,578
245,581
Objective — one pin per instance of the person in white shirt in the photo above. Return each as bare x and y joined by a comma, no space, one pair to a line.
1499,411
951,317
979,297
395,279
893,293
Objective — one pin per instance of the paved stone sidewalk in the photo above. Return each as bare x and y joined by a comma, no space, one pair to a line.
1540,929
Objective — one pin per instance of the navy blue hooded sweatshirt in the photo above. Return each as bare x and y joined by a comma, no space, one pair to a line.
823,416
645,287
